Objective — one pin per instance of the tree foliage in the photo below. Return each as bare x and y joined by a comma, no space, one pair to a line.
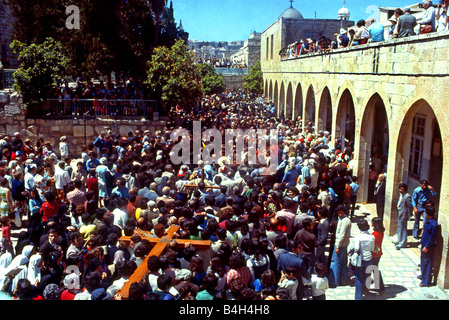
42,66
173,77
114,36
211,82
253,82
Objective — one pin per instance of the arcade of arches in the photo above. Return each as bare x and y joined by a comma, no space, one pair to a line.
401,119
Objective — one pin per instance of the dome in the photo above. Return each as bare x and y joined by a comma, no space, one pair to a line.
291,13
343,13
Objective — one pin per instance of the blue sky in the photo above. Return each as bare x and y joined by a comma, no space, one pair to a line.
228,20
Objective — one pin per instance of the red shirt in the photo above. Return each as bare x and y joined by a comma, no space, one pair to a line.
49,209
378,238
66,295
6,232
92,184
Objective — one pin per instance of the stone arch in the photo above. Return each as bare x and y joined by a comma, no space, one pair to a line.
309,110
344,128
325,111
373,139
265,88
281,101
297,111
413,165
289,102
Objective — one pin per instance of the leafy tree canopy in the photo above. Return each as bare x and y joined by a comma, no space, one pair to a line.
42,66
173,77
253,82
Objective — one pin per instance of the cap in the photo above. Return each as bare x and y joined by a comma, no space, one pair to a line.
100,294
63,138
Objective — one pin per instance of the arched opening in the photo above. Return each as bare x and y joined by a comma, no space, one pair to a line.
275,98
373,150
265,88
289,102
325,112
282,101
309,115
345,124
298,102
270,91
420,149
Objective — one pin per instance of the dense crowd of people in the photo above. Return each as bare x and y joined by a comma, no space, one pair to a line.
282,236
401,24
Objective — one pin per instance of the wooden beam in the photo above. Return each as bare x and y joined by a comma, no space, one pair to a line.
158,249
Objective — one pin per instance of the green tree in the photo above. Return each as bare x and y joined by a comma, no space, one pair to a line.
42,66
211,82
173,77
114,35
253,82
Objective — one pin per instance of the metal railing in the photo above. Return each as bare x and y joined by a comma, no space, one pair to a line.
96,108
231,71
6,78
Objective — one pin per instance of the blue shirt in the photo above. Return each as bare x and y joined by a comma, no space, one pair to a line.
122,193
429,233
92,163
376,30
305,171
354,188
422,196
292,259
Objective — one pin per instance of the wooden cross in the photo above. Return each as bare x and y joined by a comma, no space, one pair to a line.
158,249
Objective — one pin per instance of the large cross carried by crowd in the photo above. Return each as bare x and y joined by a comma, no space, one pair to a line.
158,250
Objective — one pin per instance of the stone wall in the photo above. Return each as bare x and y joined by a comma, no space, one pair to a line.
233,81
6,25
12,119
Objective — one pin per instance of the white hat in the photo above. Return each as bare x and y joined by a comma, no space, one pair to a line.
342,31
63,138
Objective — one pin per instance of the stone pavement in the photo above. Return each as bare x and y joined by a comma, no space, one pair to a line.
399,269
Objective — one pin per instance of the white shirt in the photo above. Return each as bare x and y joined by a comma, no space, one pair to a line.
29,181
62,178
120,217
319,285
343,232
64,149
366,241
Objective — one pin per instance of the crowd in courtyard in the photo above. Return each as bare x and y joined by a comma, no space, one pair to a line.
402,23
281,236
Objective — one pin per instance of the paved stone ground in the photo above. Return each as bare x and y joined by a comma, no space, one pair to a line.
399,269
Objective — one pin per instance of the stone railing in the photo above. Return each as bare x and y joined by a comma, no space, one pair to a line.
423,55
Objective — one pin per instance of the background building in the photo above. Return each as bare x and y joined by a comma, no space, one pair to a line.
250,52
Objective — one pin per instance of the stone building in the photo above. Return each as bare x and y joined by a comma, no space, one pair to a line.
291,27
388,97
6,30
250,52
